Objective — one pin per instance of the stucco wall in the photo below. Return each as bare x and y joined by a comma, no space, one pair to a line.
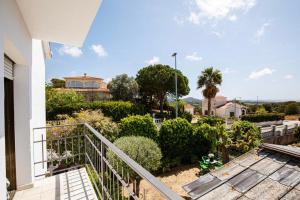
16,43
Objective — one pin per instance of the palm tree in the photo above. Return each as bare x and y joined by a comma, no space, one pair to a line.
209,79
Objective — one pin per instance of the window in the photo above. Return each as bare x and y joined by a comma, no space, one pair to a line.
206,112
231,114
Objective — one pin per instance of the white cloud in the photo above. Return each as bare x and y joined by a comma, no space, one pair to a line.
261,31
193,57
260,73
99,50
70,50
232,18
228,71
153,60
288,76
219,9
194,18
218,34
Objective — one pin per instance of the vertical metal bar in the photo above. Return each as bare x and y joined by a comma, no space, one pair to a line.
66,150
51,154
73,153
102,173
78,146
84,137
43,150
58,150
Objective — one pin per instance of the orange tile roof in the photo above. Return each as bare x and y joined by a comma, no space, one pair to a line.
83,78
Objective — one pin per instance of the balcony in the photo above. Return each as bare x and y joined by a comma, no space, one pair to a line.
77,162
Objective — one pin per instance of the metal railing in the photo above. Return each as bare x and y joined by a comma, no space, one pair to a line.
113,173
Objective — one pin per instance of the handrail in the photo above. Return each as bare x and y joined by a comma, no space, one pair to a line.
163,189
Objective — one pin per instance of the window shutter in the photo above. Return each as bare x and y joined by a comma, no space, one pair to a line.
8,68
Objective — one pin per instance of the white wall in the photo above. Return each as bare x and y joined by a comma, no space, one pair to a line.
38,111
16,42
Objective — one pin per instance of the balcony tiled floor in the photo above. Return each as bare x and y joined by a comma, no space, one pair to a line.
72,185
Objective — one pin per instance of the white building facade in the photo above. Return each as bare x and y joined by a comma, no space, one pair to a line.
26,28
220,107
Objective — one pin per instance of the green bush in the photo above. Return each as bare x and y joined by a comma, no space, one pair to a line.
292,109
141,149
263,117
175,141
139,126
115,109
211,120
186,115
62,102
98,121
244,136
201,142
297,133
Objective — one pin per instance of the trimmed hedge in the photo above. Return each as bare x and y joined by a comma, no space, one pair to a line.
175,141
139,126
212,121
263,117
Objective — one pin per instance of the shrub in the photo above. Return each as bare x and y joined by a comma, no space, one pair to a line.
297,133
62,102
117,109
174,138
143,150
139,126
244,136
292,109
263,117
201,142
96,119
186,115
211,120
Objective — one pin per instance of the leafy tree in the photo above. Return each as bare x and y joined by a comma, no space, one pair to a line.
58,102
123,87
158,81
209,79
58,83
213,121
292,109
141,149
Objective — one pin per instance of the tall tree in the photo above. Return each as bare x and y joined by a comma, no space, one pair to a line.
123,87
209,80
158,81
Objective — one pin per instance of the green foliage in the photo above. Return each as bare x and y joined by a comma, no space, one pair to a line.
158,80
292,109
58,83
244,136
96,119
186,115
297,133
141,149
204,140
263,117
209,79
117,109
139,126
62,102
213,121
123,87
261,110
175,141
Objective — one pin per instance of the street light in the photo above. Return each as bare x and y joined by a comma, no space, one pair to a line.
174,55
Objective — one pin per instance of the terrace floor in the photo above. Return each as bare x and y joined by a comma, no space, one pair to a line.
72,185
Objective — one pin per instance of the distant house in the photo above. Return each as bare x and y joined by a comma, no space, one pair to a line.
189,108
220,107
93,88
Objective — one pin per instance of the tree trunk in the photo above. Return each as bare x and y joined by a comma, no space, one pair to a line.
209,106
225,154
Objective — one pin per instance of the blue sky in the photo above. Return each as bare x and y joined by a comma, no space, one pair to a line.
255,43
